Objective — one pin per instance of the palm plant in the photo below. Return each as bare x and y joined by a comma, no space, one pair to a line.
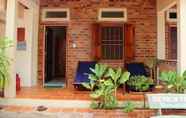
4,62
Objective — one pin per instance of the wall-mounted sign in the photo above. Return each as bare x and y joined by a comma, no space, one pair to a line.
21,42
167,101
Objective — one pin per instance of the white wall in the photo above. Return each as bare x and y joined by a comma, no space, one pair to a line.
163,5
26,60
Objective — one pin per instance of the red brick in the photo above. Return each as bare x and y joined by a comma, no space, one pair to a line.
141,13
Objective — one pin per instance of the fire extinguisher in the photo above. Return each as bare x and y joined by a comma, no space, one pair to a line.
18,79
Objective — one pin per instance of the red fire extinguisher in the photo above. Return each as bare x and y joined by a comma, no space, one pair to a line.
18,86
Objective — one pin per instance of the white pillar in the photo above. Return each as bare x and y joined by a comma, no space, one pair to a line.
35,43
181,35
10,89
161,35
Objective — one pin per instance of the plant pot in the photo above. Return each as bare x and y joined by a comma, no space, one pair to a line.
158,89
1,93
133,89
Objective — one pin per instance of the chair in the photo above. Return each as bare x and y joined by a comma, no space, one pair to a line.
82,72
136,69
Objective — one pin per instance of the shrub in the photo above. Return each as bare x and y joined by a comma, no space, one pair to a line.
139,83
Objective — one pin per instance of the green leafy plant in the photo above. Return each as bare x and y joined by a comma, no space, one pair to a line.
139,83
174,82
118,77
4,62
103,84
128,107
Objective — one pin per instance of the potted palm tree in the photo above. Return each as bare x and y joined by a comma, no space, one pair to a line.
4,64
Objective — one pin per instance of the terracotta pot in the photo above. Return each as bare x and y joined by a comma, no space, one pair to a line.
1,93
158,89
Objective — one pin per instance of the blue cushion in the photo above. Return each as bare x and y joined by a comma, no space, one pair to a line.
136,69
83,70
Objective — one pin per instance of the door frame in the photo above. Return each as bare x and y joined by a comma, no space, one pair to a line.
44,52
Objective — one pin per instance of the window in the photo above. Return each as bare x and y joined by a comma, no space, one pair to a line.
172,15
172,53
115,14
56,15
112,42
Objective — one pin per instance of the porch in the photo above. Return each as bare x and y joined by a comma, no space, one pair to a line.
36,61
70,94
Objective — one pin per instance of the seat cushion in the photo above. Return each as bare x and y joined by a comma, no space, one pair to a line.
83,70
136,69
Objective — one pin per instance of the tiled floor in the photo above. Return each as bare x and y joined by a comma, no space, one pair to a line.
68,94
30,112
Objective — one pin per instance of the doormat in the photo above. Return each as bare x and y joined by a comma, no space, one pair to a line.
54,85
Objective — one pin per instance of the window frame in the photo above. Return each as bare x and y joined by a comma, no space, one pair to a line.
45,10
168,15
100,37
122,19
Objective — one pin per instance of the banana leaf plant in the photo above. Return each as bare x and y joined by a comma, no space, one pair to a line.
5,43
174,81
103,85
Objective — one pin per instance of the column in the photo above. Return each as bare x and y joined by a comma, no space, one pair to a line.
181,35
10,89
161,35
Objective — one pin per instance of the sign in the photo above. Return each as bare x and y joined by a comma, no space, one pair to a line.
167,101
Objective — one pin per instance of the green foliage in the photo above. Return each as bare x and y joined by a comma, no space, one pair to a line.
103,83
174,82
94,105
140,83
118,77
4,62
128,107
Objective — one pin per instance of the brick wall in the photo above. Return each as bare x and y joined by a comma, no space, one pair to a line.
141,13
2,18
2,28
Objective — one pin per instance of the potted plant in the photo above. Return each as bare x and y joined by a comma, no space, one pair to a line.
174,98
103,85
4,64
173,81
139,83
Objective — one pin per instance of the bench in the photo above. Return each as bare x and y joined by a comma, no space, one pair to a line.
83,69
167,101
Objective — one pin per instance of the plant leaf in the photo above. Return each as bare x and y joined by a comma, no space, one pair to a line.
86,85
184,74
124,77
96,94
